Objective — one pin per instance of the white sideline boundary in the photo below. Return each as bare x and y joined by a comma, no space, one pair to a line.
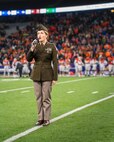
15,137
17,89
63,82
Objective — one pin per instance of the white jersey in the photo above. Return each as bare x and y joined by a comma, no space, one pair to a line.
25,67
14,64
62,65
6,65
87,64
94,63
80,64
102,64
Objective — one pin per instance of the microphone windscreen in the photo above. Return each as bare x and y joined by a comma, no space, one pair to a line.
34,42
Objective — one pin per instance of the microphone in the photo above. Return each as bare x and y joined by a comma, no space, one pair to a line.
35,41
33,44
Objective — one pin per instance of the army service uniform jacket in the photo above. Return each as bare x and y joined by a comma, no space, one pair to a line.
46,64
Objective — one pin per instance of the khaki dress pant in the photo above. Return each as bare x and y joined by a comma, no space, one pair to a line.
43,97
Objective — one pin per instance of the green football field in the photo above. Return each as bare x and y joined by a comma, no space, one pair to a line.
90,122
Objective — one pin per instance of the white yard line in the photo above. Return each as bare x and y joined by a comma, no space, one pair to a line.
95,92
76,80
17,89
16,79
111,93
15,137
7,80
64,82
69,92
26,91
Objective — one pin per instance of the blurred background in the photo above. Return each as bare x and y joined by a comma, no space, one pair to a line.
83,32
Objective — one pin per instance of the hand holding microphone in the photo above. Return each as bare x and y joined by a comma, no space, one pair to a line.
33,44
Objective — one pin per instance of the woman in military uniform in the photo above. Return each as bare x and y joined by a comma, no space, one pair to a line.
44,73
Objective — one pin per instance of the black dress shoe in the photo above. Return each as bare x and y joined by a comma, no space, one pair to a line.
40,122
46,122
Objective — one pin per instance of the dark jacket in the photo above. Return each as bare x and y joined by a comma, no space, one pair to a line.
46,64
19,66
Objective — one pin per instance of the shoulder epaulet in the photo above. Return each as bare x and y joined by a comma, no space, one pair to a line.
53,45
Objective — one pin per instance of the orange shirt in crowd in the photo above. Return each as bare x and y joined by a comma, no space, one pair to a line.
88,54
107,54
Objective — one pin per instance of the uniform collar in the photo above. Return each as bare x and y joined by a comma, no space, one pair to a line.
43,43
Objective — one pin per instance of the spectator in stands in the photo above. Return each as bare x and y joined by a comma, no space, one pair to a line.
44,73
88,34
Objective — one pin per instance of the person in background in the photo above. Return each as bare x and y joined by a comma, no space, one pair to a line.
80,65
94,63
61,62
19,67
6,65
87,66
44,73
14,65
102,66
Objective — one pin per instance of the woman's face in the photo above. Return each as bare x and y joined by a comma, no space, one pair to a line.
41,35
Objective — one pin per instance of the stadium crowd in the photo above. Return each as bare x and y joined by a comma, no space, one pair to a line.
85,43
